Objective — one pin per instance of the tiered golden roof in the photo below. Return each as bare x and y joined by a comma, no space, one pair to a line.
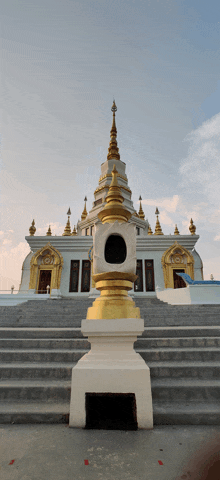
84,213
158,229
67,229
149,232
192,227
74,232
113,151
32,229
114,210
49,232
141,212
176,231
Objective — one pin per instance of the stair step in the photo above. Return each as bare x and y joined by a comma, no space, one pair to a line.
23,344
184,369
35,390
192,414
41,355
41,371
28,412
42,332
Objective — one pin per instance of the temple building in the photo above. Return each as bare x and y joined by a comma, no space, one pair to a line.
64,263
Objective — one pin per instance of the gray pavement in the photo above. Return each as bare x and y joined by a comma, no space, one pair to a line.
57,452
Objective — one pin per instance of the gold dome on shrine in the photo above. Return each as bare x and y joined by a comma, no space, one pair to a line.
114,210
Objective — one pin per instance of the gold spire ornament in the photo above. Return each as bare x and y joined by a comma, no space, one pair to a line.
74,232
192,227
32,229
49,232
176,231
158,229
67,229
149,232
114,210
141,213
84,213
113,151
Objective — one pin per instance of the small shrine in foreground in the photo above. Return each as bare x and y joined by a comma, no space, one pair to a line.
65,263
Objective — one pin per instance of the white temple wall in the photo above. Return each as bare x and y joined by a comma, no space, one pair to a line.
25,275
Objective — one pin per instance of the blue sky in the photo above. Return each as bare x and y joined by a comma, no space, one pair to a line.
62,63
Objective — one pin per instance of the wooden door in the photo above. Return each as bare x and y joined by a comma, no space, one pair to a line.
44,280
178,282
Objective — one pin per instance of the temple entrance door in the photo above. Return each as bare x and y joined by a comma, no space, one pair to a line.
178,282
44,280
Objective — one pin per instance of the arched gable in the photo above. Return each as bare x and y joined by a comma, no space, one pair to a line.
47,258
176,257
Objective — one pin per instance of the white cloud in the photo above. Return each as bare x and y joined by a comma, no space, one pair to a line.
201,169
6,242
11,261
168,203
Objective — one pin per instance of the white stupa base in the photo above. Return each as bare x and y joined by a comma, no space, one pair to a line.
111,366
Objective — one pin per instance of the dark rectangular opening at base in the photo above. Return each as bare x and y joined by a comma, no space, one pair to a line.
111,411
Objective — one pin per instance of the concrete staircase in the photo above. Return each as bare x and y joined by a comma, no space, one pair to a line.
40,342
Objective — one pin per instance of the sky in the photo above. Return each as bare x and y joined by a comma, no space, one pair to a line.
62,62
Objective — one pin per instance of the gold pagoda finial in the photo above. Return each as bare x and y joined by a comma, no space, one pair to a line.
49,232
149,230
67,229
192,227
141,212
113,151
84,213
158,229
176,231
32,229
74,232
114,210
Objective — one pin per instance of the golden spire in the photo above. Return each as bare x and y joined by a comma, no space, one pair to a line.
149,230
84,213
176,231
192,227
74,232
114,210
49,232
141,213
113,151
67,229
32,229
158,229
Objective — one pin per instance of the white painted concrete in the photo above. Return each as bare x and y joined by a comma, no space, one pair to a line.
102,232
192,294
16,299
111,366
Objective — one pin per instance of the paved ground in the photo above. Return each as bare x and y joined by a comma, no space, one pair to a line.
57,452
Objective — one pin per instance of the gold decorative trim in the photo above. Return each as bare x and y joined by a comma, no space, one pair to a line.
109,175
99,189
176,257
37,264
131,277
